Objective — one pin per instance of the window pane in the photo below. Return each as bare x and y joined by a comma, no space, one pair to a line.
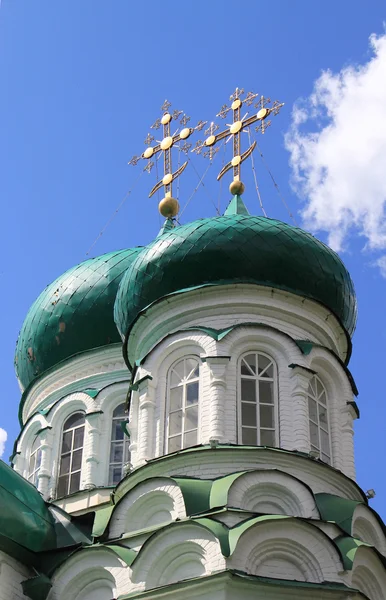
265,366
78,437
62,486
75,482
120,411
323,417
248,390
322,398
312,410
31,467
314,435
248,365
311,387
65,462
74,421
38,455
174,444
36,444
325,442
116,452
115,475
267,438
266,392
67,441
190,439
249,436
118,431
178,372
248,414
191,418
191,367
192,393
267,417
76,460
319,387
175,422
326,459
176,398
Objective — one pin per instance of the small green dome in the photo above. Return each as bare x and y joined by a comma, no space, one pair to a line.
73,314
236,248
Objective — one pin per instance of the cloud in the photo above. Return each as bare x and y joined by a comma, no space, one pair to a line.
3,439
337,145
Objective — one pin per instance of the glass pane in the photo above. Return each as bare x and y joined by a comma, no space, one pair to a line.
250,361
322,398
249,436
175,422
74,421
118,431
120,411
314,435
75,482
36,444
248,414
177,372
76,460
323,417
319,387
190,439
266,392
38,459
67,441
267,417
65,464
267,438
31,467
176,398
191,418
78,437
311,387
115,475
62,486
191,367
192,393
326,459
312,410
127,450
116,452
248,390
174,444
265,366
325,442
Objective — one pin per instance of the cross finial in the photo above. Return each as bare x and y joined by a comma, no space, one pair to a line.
234,130
168,206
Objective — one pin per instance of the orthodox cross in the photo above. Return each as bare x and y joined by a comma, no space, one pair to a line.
169,208
234,129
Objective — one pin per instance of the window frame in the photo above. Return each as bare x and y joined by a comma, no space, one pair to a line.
313,448
33,476
257,378
167,403
71,472
125,440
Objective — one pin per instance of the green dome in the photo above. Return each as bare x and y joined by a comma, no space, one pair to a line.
236,248
73,314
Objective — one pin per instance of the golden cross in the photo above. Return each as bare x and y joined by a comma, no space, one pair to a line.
168,206
234,129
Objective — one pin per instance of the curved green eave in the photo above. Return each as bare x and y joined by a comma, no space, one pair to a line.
236,248
73,314
25,520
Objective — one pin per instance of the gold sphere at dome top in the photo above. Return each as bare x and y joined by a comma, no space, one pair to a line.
236,188
169,207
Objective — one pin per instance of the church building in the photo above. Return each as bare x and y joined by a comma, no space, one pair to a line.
187,415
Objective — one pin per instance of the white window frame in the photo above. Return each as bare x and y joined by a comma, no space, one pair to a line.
126,444
71,472
36,453
314,396
184,385
257,378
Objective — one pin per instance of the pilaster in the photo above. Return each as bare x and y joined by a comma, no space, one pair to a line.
217,393
91,452
301,377
146,410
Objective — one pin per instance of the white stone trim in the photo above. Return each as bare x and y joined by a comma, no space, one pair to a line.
365,526
368,574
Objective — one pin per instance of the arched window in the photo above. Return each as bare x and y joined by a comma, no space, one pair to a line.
35,459
119,446
183,395
258,400
71,455
318,417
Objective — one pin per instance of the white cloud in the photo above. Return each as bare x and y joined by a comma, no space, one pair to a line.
3,439
337,145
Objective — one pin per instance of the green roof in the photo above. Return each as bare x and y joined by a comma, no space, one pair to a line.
73,314
236,248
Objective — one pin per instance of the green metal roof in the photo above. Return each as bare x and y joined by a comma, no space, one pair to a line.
236,248
73,314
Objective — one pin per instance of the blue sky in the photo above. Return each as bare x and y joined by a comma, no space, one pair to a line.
81,82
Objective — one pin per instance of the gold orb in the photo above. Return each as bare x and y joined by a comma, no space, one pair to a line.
236,188
169,207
